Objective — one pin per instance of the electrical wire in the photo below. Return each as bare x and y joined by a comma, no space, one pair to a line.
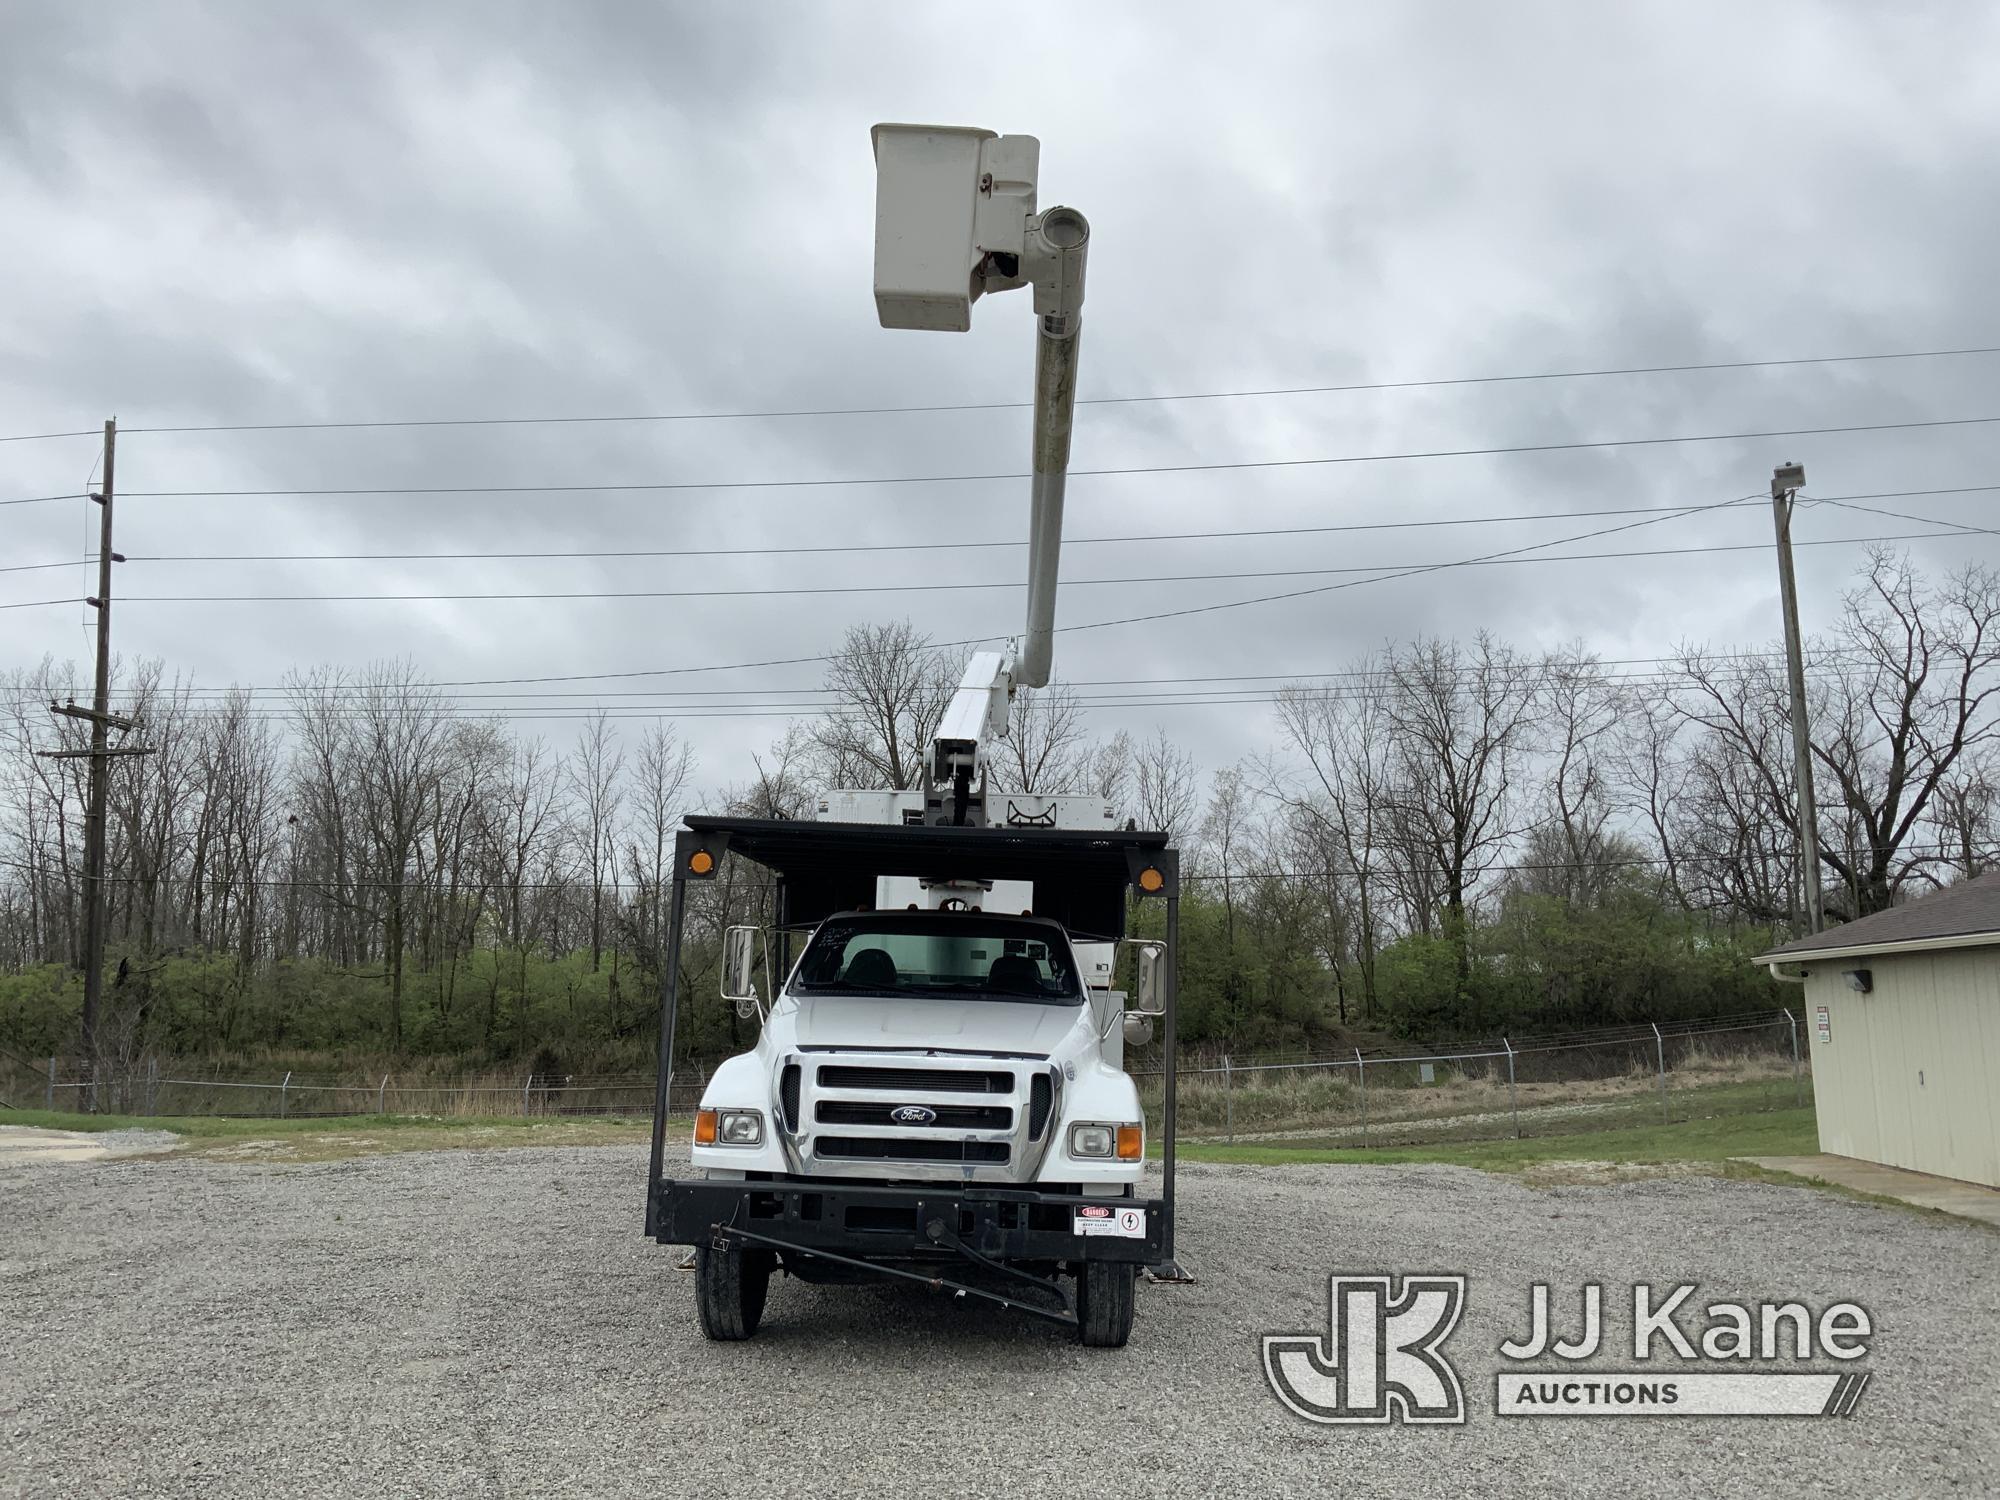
1345,684
792,661
857,411
929,588
43,499
854,547
662,486
1068,542
1959,528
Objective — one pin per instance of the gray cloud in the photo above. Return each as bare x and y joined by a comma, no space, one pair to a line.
230,213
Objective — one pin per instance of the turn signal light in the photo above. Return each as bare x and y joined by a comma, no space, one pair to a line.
704,1119
1151,880
701,862
1131,1142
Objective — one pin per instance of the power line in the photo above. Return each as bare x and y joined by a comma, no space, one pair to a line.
1074,541
932,588
1209,468
45,499
813,703
793,661
1959,528
858,411
225,703
1726,664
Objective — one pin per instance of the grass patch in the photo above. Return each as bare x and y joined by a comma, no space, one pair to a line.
359,1135
1781,1132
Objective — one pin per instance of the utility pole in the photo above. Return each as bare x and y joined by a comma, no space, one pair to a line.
1786,481
100,755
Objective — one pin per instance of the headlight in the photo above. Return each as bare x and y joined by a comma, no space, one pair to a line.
1104,1142
1092,1140
729,1127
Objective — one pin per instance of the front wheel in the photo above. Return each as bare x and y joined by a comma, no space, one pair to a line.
730,1288
1106,1297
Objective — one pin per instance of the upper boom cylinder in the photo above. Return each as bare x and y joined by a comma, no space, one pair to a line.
1059,243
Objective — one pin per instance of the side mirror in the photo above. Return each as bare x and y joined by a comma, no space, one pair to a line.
1138,1029
739,969
1149,989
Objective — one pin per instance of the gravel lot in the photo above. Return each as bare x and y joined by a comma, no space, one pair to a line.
492,1323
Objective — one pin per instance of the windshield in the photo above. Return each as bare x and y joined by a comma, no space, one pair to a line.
940,955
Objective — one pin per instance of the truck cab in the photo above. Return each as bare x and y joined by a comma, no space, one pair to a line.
951,1045
936,1091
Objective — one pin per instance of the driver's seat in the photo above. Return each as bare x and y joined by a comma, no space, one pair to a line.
871,969
1014,974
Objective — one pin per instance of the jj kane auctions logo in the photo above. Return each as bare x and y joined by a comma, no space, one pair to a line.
1381,1358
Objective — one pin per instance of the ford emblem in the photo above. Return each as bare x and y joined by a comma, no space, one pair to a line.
913,1114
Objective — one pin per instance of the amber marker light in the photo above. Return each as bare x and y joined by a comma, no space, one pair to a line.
700,862
1151,880
704,1119
1131,1142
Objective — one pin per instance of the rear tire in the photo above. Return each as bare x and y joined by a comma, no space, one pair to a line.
730,1289
1106,1298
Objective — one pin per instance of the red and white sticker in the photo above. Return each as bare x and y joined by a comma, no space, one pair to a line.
1119,1223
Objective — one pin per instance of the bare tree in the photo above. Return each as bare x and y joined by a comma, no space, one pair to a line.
1043,751
1900,719
521,823
1649,779
595,769
1108,772
1167,785
889,688
1967,817
1580,710
661,773
1223,827
1339,798
399,766
1898,700
1459,724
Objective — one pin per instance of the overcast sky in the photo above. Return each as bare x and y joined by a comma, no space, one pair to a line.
251,213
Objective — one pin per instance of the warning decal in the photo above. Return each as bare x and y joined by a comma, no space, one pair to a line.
1104,1219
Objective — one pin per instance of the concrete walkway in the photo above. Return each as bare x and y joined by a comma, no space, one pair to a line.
1968,1200
26,1145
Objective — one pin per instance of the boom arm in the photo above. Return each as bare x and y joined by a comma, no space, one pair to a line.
926,249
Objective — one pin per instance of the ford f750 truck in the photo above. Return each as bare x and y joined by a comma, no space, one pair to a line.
937,1092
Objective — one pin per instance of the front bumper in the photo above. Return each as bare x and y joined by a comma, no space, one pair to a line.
880,1221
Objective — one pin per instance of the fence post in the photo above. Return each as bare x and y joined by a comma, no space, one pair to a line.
52,1084
1513,1104
153,1084
382,1096
283,1089
1660,1051
527,1086
1361,1073
1228,1098
1798,1080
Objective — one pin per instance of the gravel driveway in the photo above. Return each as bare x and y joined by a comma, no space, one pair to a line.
491,1323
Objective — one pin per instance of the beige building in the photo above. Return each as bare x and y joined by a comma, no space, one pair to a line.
1902,1014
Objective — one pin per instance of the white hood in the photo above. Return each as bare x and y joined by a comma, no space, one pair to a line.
866,1022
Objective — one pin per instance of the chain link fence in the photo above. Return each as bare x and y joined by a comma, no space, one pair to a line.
1509,1087
156,1085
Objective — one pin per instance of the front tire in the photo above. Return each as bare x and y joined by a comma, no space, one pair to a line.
1106,1298
730,1288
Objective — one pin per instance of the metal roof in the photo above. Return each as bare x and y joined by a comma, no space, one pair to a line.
1962,915
1081,877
